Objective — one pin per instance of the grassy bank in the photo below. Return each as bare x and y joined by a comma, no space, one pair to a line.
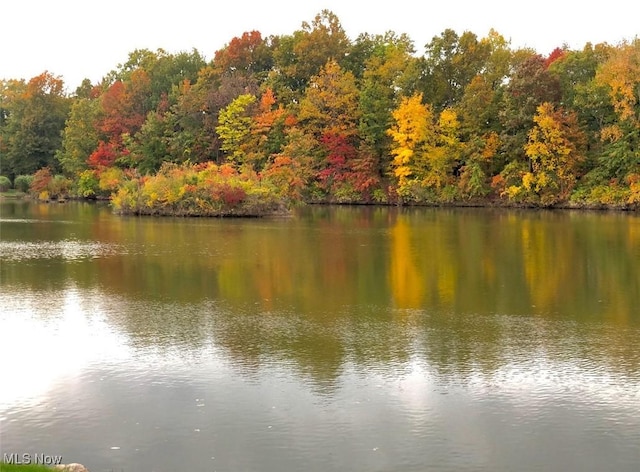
13,193
23,468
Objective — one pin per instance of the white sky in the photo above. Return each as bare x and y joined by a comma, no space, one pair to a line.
77,39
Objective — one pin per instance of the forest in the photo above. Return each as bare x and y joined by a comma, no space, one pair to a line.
315,116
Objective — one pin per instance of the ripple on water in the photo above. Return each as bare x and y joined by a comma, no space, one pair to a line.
32,220
67,249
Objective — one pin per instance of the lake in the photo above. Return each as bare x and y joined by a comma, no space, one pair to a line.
339,339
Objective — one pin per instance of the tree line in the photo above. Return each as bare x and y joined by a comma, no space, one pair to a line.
316,116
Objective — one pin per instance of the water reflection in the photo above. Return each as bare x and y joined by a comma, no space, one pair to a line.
69,250
377,339
49,337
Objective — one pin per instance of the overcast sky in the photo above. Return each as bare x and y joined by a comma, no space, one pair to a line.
77,39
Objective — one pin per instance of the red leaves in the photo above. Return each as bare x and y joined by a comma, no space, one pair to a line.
555,55
339,157
104,156
121,113
230,195
41,180
243,53
346,165
365,175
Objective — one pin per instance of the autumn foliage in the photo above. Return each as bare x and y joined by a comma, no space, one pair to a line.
197,190
314,116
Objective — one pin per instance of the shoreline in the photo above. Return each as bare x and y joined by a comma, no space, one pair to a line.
284,213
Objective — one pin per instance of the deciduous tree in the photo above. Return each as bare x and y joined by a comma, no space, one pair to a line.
555,147
411,131
235,126
530,85
80,136
32,120
249,53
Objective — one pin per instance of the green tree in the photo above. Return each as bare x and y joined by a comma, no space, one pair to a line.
31,129
80,135
478,107
162,72
479,114
194,117
10,93
149,148
581,93
530,85
389,72
451,62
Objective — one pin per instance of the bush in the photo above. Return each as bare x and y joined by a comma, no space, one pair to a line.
40,181
197,190
22,183
5,183
473,181
380,196
88,184
59,186
46,186
109,179
344,192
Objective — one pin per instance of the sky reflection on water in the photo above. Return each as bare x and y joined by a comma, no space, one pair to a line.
113,388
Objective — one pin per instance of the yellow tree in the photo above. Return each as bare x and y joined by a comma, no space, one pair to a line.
445,152
424,151
555,149
620,75
235,127
330,104
410,132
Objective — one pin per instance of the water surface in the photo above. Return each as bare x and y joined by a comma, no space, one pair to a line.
377,339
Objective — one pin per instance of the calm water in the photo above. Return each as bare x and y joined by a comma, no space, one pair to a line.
342,339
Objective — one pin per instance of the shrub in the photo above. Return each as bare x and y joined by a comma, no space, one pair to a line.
473,181
5,183
230,195
344,192
110,178
88,184
380,196
22,183
59,186
40,181
449,193
197,190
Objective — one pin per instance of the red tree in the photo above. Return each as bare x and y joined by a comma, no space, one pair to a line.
556,54
104,156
